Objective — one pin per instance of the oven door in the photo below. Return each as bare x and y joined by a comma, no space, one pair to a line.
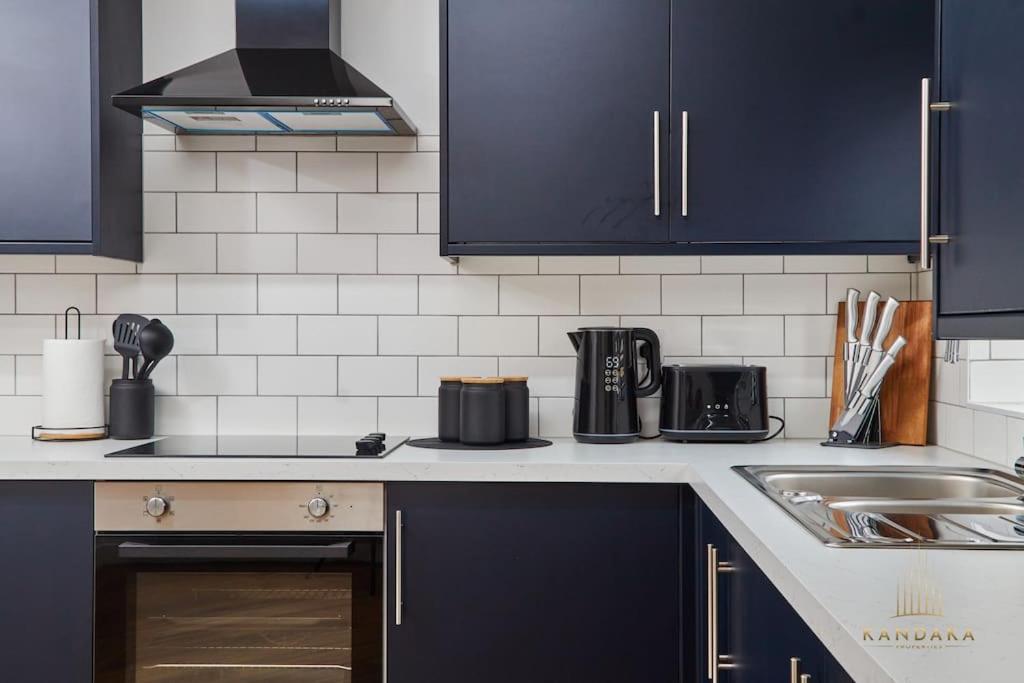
252,608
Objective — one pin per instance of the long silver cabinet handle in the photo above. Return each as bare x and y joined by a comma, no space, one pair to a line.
657,163
926,96
794,670
398,567
684,165
711,610
716,662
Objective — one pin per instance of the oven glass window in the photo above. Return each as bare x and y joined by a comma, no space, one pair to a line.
251,627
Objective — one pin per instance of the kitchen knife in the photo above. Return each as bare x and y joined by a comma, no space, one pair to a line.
864,344
884,327
850,348
851,421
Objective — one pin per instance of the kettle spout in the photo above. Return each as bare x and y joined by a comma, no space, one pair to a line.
576,338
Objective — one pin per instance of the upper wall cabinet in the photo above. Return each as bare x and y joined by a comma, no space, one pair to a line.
979,282
682,126
70,163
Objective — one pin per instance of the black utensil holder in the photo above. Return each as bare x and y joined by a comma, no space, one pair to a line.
132,409
870,435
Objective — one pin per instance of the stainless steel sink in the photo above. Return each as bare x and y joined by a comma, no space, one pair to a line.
889,507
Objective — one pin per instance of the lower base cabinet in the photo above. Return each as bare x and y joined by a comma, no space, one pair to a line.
746,628
546,583
46,544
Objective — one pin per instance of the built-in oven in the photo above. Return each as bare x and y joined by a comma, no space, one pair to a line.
239,583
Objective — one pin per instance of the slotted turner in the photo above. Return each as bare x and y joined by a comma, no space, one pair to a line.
126,341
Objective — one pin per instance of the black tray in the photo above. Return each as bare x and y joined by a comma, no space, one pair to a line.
436,443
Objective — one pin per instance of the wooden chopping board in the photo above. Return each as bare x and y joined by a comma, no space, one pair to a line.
907,387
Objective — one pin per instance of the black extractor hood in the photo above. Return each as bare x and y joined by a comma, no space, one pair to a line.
285,76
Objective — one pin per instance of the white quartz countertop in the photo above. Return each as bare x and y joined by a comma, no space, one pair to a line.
839,592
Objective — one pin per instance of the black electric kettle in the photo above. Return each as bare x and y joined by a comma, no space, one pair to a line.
607,385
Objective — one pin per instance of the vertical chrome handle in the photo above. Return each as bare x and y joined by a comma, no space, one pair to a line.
657,163
926,87
716,662
398,567
794,670
806,678
684,165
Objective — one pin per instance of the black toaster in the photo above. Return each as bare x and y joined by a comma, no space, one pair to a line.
714,403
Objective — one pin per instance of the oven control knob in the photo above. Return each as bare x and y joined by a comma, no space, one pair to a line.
157,506
318,508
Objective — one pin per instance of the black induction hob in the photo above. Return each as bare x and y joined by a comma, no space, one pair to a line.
289,446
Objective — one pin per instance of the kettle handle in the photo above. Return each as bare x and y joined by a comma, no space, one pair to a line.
650,348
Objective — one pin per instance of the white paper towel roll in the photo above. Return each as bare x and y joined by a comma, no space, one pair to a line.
73,383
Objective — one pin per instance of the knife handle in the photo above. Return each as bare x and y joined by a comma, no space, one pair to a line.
852,296
870,311
885,323
873,383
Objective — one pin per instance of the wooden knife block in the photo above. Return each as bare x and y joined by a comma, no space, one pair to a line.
907,387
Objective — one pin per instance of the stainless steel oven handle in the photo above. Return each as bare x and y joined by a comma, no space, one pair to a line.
398,567
146,551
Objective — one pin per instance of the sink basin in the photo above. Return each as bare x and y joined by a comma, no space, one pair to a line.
889,507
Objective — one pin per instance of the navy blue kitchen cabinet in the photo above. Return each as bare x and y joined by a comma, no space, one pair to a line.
979,281
70,163
745,627
534,582
564,124
46,533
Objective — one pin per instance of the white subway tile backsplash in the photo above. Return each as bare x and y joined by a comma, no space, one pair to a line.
429,213
679,335
295,212
186,415
825,264
498,336
990,433
432,369
620,294
702,294
26,263
256,334
555,417
337,416
337,172
158,212
458,295
548,376
145,294
554,339
795,377
886,284
296,143
217,212
741,264
412,254
54,293
579,265
429,143
324,335
18,414
414,416
410,172
346,254
770,294
810,335
378,294
193,334
891,263
377,213
418,336
256,172
217,375
539,295
6,294
211,143
267,415
377,376
298,294
298,375
81,263
256,253
376,143
158,143
7,374
807,418
176,253
658,265
743,336
179,171
217,294
498,265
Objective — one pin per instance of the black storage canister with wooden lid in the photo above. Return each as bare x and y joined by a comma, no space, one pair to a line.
517,409
448,401
482,411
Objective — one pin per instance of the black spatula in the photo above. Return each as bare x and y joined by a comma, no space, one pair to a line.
126,341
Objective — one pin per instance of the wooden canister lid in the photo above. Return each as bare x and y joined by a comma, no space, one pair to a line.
515,378
452,378
482,380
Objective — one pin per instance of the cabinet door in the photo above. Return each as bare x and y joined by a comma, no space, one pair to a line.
46,570
804,120
548,120
549,583
979,279
46,121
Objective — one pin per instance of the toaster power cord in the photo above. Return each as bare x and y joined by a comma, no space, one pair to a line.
782,425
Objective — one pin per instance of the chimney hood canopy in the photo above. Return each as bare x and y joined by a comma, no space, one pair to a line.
284,76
